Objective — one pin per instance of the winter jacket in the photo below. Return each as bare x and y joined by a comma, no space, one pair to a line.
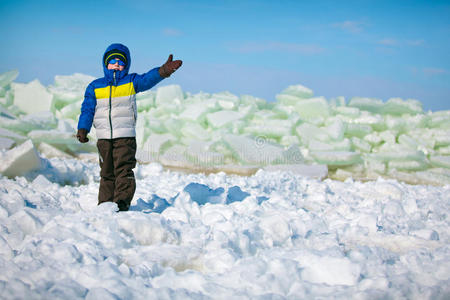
110,102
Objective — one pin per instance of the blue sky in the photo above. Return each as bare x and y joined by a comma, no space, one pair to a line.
365,48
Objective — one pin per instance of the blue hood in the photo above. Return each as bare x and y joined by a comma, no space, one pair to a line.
119,74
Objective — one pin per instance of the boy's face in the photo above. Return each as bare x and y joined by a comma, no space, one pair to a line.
116,65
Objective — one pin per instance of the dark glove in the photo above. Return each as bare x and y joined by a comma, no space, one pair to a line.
169,67
82,135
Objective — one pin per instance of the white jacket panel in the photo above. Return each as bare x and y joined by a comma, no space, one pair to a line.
115,117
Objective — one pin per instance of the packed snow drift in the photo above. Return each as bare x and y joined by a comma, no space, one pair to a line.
285,230
268,236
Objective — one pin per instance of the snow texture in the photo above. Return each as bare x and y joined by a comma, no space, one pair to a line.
273,235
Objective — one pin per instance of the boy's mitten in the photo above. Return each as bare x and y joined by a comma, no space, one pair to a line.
169,67
82,135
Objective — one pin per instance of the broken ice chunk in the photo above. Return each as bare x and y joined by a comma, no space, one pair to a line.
226,100
336,129
12,135
312,108
443,150
40,120
370,104
49,151
434,176
271,128
222,118
343,145
26,123
251,100
6,114
69,88
412,165
376,121
257,151
398,106
20,160
288,140
336,158
53,137
308,132
199,153
440,161
442,138
361,145
167,94
408,141
71,111
440,119
32,97
352,112
6,143
158,143
175,156
194,112
337,102
358,130
298,90
8,77
292,155
195,131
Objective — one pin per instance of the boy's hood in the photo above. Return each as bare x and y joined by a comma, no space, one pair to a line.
119,74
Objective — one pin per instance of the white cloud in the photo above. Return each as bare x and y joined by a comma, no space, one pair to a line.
434,71
415,42
395,42
250,47
388,42
171,32
350,26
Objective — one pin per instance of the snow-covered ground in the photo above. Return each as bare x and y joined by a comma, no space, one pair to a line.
268,236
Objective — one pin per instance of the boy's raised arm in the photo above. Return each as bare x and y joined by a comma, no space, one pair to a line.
151,78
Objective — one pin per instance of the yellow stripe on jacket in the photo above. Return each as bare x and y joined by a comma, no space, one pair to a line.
116,91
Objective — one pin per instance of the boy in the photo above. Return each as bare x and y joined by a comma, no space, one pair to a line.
110,105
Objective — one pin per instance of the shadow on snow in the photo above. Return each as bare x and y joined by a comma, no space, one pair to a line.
199,193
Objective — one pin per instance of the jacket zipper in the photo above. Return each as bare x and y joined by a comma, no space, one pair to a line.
110,104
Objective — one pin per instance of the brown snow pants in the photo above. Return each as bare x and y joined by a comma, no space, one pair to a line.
117,160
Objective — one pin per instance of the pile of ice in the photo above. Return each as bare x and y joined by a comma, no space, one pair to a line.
218,236
363,138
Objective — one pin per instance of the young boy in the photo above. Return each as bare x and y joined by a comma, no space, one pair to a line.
110,104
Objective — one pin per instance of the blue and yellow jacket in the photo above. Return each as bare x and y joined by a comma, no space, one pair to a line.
110,102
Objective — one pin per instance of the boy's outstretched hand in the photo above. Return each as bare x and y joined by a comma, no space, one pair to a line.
169,67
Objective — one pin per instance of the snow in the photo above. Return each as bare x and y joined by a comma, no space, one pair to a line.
313,171
269,235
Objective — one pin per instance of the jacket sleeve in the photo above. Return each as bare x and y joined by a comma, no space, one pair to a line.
87,109
147,80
